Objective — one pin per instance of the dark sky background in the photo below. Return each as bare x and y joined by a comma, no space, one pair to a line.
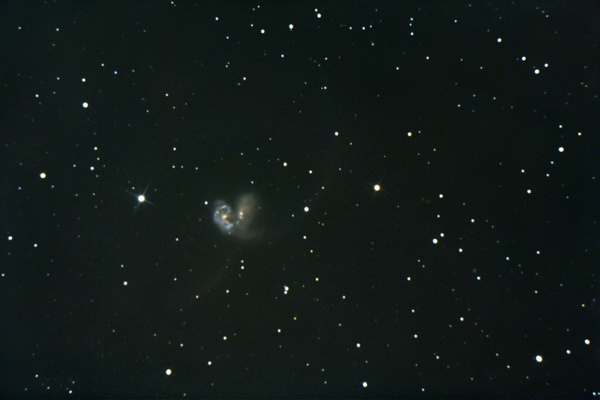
471,270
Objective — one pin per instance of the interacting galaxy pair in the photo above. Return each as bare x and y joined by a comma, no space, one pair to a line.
237,221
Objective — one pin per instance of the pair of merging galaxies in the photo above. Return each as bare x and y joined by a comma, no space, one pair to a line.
237,221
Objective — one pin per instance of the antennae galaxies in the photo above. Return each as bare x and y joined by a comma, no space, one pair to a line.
237,221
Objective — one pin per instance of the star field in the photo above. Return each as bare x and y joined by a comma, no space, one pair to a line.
352,199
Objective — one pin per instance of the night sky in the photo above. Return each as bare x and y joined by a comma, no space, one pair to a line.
300,199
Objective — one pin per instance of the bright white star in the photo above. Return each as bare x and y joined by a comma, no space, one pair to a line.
141,198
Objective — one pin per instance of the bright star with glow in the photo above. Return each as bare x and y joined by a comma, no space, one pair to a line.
141,198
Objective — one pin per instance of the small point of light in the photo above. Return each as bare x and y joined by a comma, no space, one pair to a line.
377,188
141,198
561,149
43,175
168,371
306,209
499,40
536,71
124,283
365,384
539,358
291,26
10,238
85,104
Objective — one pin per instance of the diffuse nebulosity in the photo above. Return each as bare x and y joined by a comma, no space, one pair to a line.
237,221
